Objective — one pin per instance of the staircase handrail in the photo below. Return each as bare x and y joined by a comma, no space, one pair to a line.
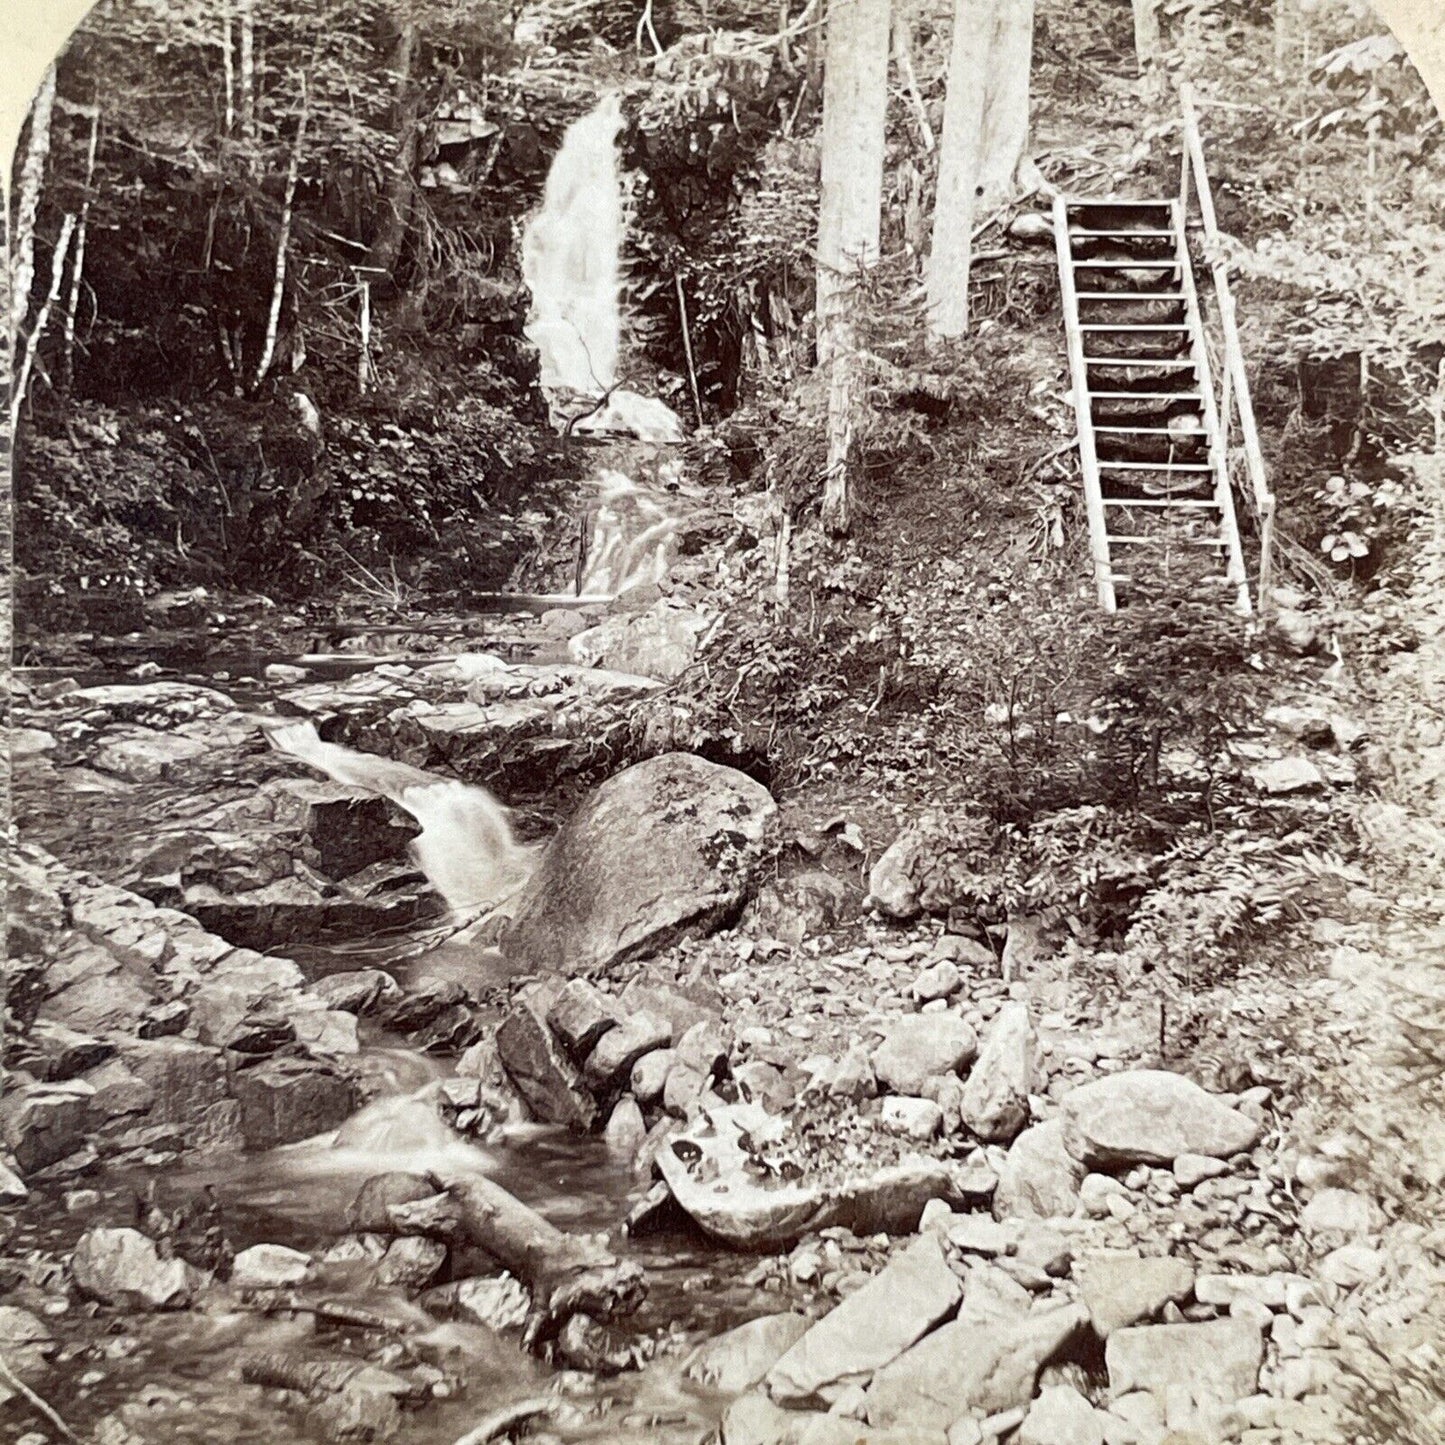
1234,381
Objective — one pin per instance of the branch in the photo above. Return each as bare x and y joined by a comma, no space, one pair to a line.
11,1379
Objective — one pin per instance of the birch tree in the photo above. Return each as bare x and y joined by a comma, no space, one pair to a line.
985,133
22,238
855,103
1146,32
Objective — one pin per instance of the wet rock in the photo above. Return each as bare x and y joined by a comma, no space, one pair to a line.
995,1104
580,1015
122,1267
365,991
626,1129
738,1360
149,757
43,1123
500,1303
1061,1416
26,1344
421,1005
938,980
872,1326
649,1075
620,1048
1039,1178
355,1413
683,1010
1150,1116
708,1168
664,850
919,1119
659,643
1120,1289
411,1262
918,1048
12,1186
965,1366
1213,1364
541,1071
283,1100
261,1031
270,1266
368,1213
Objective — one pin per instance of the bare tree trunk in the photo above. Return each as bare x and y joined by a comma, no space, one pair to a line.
77,268
959,163
22,238
903,54
855,105
283,241
985,132
1146,33
248,82
228,66
25,363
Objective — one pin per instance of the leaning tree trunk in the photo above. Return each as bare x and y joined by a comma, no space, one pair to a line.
985,132
855,104
22,235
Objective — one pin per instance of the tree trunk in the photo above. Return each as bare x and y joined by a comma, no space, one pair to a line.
985,130
77,267
855,104
568,1274
24,362
22,238
247,84
1146,33
397,199
283,240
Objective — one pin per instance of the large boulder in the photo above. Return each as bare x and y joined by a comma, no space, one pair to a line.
738,1360
1039,1178
712,1171
1151,1116
122,1267
872,1326
921,1047
664,850
538,1066
1120,1289
283,1100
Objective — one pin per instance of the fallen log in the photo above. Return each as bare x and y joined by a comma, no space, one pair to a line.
567,1274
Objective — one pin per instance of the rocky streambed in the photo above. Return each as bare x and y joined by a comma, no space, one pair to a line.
694,1145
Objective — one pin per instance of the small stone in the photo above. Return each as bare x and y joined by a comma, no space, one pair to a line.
1096,1192
1352,1265
1344,1212
919,1119
500,1303
938,980
1287,775
626,1129
580,1015
1192,1169
270,1266
411,1262
649,1075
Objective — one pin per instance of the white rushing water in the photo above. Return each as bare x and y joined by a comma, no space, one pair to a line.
570,257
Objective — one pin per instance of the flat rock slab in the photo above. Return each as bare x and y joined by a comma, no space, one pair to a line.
1217,1362
738,1360
964,1366
665,850
872,1326
1120,1289
756,1420
1151,1116
706,1168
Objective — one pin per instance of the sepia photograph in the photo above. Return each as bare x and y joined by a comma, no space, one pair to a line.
724,722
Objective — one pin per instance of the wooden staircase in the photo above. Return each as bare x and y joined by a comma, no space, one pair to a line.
1151,446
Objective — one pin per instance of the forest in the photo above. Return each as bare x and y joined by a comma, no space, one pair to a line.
726,726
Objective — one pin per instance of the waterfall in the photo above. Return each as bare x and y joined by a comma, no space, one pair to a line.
570,252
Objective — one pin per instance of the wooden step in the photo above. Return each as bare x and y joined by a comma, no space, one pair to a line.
1145,396
1115,538
1151,431
1193,505
1155,466
1158,263
1084,234
1145,296
1133,326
